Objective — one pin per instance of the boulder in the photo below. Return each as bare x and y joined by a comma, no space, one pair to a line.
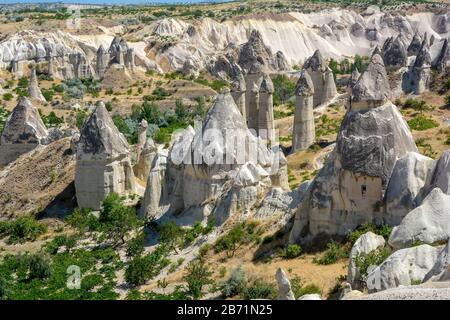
428,223
23,132
284,286
103,162
312,296
365,244
407,186
404,267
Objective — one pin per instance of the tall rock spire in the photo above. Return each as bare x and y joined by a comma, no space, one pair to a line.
304,129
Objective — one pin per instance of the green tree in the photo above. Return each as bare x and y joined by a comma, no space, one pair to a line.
284,88
197,276
171,234
117,219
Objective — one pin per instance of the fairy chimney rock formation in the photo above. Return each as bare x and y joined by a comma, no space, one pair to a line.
253,80
102,61
238,91
33,90
103,163
322,78
304,129
265,112
395,55
417,79
414,46
372,88
23,131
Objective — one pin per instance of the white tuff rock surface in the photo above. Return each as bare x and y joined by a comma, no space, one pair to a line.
428,223
284,286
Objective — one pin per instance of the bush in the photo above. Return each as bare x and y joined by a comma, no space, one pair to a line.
197,276
39,265
23,229
235,284
7,96
80,118
421,123
334,253
259,289
291,251
300,289
374,258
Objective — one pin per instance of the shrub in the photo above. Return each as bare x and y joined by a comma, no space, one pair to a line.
291,251
39,265
23,229
235,284
333,253
421,123
80,118
300,289
83,220
259,289
197,276
374,258
7,96
382,230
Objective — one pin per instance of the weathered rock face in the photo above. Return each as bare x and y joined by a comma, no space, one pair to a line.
322,78
440,63
254,51
395,55
405,267
204,175
442,24
303,134
417,79
428,223
103,162
414,46
281,62
284,286
33,90
441,175
372,88
23,131
348,190
354,77
365,244
407,186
